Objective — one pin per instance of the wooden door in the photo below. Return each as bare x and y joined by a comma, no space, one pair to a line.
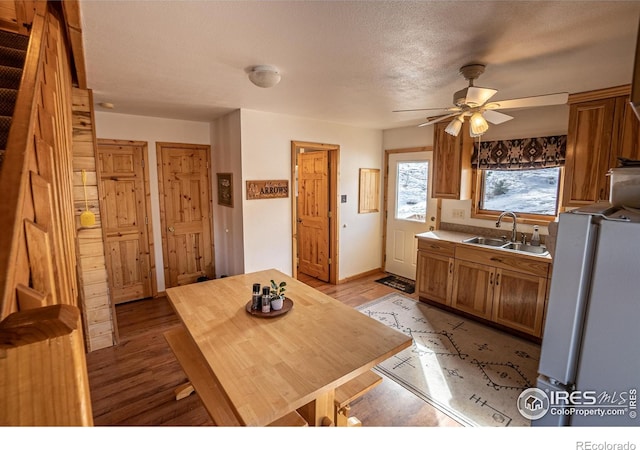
473,288
185,212
434,277
122,196
313,214
519,301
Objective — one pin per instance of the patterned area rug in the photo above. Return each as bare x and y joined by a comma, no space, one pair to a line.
399,283
469,371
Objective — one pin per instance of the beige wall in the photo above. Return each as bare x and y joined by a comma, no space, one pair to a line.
228,222
266,154
256,234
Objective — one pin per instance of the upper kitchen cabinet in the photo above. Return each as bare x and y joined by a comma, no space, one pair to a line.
451,163
602,127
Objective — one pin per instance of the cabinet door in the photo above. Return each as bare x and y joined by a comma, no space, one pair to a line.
628,145
588,151
434,277
451,163
519,301
446,162
473,288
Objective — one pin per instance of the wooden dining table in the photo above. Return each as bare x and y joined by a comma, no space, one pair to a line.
271,366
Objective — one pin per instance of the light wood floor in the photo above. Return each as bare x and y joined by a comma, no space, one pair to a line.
133,382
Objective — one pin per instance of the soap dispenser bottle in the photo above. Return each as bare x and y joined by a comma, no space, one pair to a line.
535,237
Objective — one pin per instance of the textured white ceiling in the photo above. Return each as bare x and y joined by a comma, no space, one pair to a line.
350,62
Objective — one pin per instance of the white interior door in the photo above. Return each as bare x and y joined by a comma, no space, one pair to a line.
410,210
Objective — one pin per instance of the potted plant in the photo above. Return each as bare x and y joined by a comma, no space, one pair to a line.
277,295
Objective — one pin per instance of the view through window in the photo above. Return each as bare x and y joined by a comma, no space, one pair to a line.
532,191
411,190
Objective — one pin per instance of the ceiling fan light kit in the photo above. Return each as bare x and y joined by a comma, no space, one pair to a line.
455,126
264,76
478,126
472,102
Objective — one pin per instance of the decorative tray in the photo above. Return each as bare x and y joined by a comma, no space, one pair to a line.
287,304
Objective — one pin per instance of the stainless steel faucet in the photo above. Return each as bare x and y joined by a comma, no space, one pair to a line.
514,233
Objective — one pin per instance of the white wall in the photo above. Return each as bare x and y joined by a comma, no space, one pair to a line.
228,222
256,234
152,130
266,154
544,121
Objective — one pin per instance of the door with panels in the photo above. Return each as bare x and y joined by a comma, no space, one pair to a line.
122,188
185,212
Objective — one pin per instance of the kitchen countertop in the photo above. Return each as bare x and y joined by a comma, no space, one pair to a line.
457,237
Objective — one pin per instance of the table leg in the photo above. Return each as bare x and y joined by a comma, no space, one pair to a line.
320,411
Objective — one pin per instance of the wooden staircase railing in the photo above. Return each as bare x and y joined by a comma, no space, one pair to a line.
43,374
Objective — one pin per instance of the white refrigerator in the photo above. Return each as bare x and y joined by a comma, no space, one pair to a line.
590,356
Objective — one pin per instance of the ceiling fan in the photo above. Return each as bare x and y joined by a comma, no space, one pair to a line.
473,102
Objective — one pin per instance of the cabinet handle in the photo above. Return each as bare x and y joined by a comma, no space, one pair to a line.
498,280
451,267
491,279
496,259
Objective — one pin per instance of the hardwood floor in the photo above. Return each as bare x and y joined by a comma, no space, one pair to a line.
133,383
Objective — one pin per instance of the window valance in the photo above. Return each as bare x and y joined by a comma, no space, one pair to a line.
519,154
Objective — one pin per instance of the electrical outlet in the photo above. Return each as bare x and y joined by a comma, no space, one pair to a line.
458,213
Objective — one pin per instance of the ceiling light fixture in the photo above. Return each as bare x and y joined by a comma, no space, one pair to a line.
264,76
479,126
455,126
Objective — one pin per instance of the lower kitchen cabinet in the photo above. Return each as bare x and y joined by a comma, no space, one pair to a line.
473,288
501,287
519,301
434,271
434,277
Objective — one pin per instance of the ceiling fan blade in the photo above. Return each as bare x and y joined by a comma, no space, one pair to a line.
437,119
495,117
559,98
452,108
477,96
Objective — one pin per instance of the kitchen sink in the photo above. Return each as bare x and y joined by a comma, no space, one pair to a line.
540,250
501,243
485,241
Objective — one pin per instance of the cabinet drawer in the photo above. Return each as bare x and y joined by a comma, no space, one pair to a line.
503,260
443,248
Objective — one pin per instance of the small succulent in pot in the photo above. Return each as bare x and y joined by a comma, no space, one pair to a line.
277,294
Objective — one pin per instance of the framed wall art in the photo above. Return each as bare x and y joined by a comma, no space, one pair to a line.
225,189
261,189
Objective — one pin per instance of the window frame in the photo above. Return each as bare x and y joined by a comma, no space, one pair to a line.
427,193
477,187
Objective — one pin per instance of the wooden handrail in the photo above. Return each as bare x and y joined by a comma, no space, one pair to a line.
14,179
43,375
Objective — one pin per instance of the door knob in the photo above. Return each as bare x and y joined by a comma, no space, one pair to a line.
171,229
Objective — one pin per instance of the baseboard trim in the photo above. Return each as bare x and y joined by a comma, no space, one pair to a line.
361,275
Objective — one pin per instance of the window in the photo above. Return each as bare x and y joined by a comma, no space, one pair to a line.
519,175
533,191
411,190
